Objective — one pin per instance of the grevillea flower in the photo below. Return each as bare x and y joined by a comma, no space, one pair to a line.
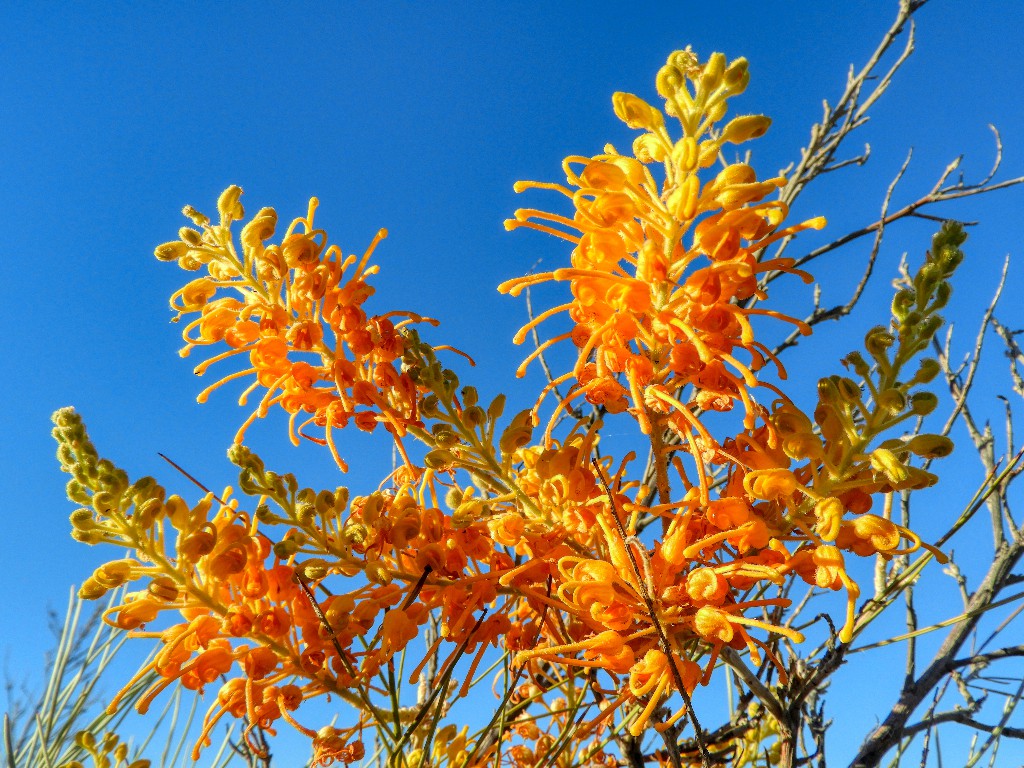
295,310
663,271
627,593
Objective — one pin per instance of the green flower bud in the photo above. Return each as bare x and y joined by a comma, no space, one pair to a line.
931,446
892,401
449,381
324,503
474,416
444,436
430,406
856,361
470,396
305,513
849,391
949,259
923,403
929,327
439,459
496,408
313,569
902,303
355,533
83,519
453,498
877,341
264,514
285,548
942,293
927,371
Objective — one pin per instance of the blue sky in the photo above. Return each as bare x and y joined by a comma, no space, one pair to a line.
414,117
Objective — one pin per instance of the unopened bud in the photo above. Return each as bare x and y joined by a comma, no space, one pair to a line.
228,206
931,446
171,251
285,548
877,341
637,113
714,71
892,400
923,403
439,459
745,128
885,461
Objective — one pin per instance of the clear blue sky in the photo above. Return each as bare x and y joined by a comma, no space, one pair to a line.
414,117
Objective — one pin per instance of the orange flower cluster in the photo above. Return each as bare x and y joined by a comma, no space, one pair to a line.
663,274
615,592
296,309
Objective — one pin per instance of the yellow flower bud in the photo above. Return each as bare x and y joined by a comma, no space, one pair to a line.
770,484
377,572
82,519
91,590
261,228
163,588
714,71
517,434
669,81
892,400
648,148
829,514
171,251
86,740
356,533
888,463
313,569
685,154
197,218
228,206
637,113
745,128
737,75
190,236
